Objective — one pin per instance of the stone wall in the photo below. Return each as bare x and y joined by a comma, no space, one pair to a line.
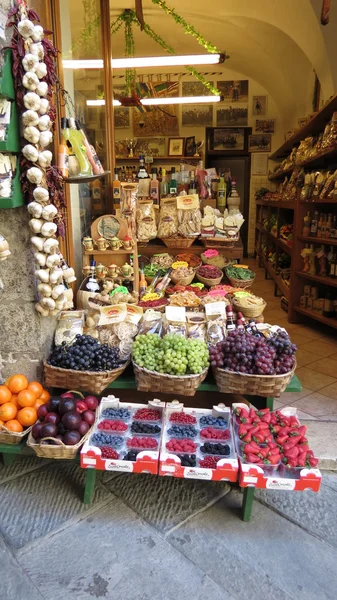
25,337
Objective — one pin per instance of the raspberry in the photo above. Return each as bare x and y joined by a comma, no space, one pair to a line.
181,417
147,414
209,462
108,452
107,425
142,442
181,446
215,434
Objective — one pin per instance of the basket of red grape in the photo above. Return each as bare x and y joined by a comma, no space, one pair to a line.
245,363
85,364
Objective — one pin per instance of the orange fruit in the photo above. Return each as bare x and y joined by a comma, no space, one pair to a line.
8,411
14,400
26,398
17,383
45,396
2,423
5,394
36,388
14,425
27,416
39,403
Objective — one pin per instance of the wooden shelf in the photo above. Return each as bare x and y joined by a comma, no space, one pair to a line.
277,279
280,243
320,157
172,158
316,240
313,315
282,286
318,278
288,204
86,178
284,246
315,125
106,252
318,201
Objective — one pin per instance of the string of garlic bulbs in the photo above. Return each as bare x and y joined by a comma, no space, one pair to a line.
52,272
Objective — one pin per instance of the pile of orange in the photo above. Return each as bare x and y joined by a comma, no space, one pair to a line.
19,402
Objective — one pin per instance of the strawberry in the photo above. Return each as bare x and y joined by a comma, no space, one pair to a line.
273,420
251,448
293,422
258,438
302,429
272,445
247,438
292,462
263,426
275,428
295,433
255,430
266,418
313,462
242,431
301,461
268,439
291,443
249,426
273,459
256,419
292,453
263,452
274,451
252,458
281,439
263,411
252,414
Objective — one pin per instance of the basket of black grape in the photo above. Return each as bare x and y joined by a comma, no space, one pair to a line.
249,363
85,364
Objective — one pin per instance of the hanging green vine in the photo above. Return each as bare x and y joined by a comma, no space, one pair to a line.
129,51
88,37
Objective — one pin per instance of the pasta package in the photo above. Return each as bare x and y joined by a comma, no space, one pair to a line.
189,215
168,218
128,206
146,221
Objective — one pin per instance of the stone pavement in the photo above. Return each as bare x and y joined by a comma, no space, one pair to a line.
152,538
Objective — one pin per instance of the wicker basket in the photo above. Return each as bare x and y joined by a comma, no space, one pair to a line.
59,450
213,261
229,382
182,280
11,437
240,283
208,281
251,312
151,381
188,256
88,381
218,242
178,242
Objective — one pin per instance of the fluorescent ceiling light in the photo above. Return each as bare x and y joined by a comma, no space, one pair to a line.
147,61
102,103
181,100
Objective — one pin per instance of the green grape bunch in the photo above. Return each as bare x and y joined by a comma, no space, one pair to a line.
173,354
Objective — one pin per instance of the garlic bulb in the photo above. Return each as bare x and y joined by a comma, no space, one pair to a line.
30,153
31,134
44,106
38,242
36,225
56,276
38,33
45,158
48,229
49,212
30,117
44,123
60,304
44,289
53,260
32,101
40,259
57,291
50,246
42,88
26,28
68,274
42,275
44,312
45,138
34,175
35,209
41,195
37,50
48,303
30,62
31,81
41,70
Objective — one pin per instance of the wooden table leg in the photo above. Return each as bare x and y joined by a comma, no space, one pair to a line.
270,403
247,503
90,479
8,458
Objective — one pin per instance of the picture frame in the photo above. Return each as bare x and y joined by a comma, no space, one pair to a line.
228,138
155,146
234,91
190,146
259,142
176,146
260,105
235,116
197,115
265,126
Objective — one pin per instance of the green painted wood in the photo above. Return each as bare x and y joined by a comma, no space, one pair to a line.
90,480
12,448
6,77
12,143
247,503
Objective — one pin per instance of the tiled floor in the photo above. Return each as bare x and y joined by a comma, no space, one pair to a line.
316,357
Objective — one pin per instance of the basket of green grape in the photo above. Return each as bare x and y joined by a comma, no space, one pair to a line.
171,365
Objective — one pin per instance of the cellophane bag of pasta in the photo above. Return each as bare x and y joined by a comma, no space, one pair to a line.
128,206
168,218
146,221
189,215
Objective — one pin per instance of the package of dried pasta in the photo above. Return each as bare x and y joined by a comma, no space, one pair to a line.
189,215
146,221
168,218
128,206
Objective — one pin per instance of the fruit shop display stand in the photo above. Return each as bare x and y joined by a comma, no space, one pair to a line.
127,382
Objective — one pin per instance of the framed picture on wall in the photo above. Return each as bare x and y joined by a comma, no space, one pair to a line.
259,142
232,115
260,105
197,115
234,91
228,138
152,146
265,125
176,146
190,146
